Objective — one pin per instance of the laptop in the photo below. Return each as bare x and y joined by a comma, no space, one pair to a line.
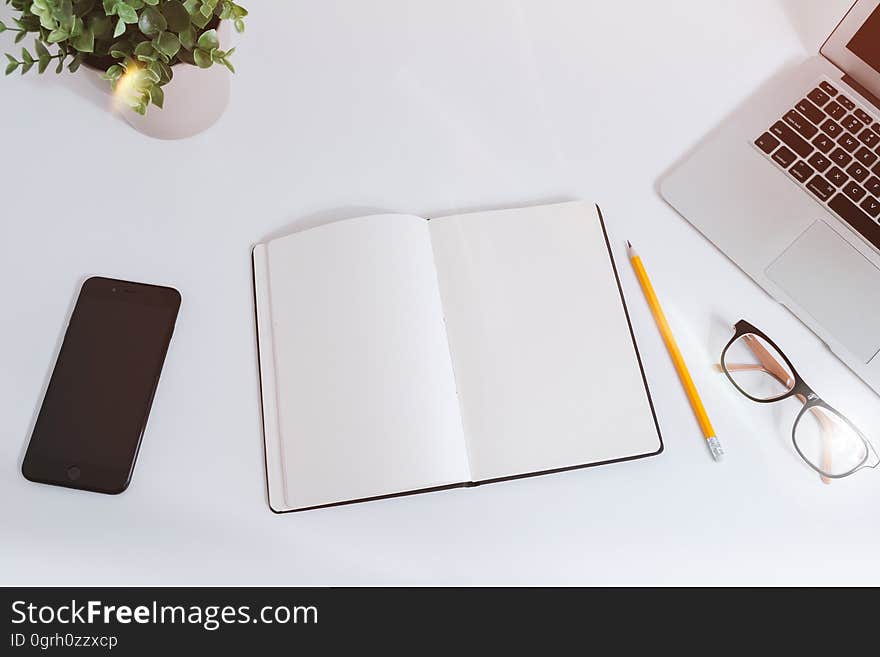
788,187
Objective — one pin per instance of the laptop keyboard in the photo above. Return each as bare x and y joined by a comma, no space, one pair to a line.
831,147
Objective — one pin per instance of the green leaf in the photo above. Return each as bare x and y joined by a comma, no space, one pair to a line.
120,50
199,19
158,97
152,22
26,56
85,42
10,68
3,27
126,13
239,25
120,28
187,38
203,58
56,36
40,49
165,73
64,13
76,27
209,40
25,67
167,43
114,73
73,67
144,49
20,37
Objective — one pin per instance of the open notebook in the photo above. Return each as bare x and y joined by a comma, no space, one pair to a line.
400,355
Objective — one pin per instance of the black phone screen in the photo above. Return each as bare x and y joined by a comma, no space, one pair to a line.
93,416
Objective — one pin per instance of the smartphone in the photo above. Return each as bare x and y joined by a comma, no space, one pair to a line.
89,429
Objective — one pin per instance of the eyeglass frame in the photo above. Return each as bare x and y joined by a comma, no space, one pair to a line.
800,389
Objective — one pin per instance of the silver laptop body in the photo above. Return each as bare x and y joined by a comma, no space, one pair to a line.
789,189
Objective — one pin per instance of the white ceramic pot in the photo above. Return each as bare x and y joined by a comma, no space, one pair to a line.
195,99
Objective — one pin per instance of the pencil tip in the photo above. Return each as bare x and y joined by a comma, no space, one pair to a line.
716,448
629,244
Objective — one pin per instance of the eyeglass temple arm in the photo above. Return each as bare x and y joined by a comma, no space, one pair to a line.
772,367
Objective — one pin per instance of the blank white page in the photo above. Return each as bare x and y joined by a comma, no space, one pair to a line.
363,384
546,368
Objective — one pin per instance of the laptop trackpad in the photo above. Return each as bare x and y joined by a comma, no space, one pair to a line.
835,284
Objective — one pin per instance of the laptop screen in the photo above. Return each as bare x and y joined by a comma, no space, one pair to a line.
866,42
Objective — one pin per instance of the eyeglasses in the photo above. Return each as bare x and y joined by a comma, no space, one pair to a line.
828,442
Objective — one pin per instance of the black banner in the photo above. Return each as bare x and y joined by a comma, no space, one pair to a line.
153,621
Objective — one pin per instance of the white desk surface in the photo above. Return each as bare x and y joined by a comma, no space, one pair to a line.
341,108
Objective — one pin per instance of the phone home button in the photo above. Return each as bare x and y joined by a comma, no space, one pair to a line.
73,473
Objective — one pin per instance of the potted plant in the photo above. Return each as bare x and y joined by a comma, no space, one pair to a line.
136,44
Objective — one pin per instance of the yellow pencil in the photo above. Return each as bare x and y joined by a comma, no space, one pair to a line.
675,353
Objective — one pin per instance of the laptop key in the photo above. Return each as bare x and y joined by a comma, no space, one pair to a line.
828,89
767,143
819,162
858,172
791,139
846,102
869,138
818,97
784,157
873,185
802,171
832,128
824,143
809,110
837,177
849,143
835,111
840,157
863,116
876,170
854,191
857,218
876,128
866,156
797,121
852,124
821,187
871,206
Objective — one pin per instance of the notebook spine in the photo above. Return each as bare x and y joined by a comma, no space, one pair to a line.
268,387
